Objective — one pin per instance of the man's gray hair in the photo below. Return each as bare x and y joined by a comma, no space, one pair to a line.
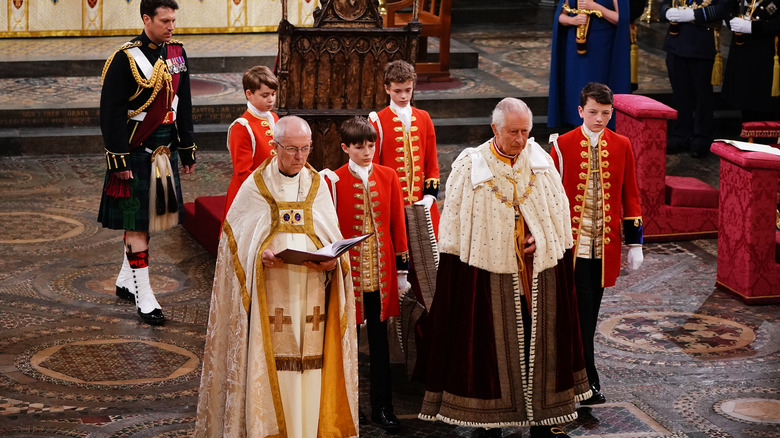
510,105
289,122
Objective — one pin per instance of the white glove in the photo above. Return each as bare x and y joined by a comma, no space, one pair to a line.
427,201
686,15
673,15
403,284
741,25
635,257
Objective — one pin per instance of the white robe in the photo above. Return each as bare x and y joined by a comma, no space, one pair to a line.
242,394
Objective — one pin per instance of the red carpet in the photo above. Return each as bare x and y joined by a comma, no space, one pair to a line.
204,219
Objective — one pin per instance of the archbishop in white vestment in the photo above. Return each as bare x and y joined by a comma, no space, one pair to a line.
281,351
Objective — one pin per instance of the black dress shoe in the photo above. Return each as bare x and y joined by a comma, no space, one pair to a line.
386,419
487,433
548,432
596,399
362,417
155,317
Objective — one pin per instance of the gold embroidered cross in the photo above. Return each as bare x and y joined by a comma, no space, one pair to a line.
315,319
278,320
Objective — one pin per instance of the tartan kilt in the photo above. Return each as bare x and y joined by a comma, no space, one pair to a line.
111,214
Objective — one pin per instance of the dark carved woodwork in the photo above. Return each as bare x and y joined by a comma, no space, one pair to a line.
333,70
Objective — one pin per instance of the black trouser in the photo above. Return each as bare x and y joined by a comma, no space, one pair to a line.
691,80
379,350
587,282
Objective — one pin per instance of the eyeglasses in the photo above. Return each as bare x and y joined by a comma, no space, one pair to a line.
292,150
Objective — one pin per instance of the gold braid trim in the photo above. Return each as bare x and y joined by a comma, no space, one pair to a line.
112,159
192,148
111,58
160,77
681,4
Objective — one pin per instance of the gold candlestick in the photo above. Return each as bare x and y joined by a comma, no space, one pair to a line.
647,14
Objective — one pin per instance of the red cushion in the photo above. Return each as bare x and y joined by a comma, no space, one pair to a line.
684,191
204,220
638,106
761,129
744,159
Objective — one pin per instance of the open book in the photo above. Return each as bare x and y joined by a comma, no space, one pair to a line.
335,249
751,147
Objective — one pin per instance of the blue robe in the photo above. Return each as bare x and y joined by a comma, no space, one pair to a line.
607,61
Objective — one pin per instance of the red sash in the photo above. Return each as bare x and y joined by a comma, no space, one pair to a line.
157,110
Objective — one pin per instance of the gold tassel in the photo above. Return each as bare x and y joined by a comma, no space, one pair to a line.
717,70
634,55
776,74
717,67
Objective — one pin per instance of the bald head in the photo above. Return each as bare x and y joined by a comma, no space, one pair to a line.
292,144
290,126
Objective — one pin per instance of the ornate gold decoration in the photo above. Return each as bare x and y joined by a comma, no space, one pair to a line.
512,202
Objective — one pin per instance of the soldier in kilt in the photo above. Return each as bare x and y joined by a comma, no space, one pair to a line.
146,121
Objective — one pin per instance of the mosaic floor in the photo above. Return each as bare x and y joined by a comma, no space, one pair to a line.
677,357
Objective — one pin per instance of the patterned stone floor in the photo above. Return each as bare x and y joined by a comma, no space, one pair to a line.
678,358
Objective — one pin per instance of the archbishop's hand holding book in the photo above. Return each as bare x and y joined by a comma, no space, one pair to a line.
324,254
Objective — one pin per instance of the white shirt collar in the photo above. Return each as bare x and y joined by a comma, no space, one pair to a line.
405,114
262,114
361,171
593,136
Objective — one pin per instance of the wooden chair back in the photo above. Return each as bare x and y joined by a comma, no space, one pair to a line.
434,16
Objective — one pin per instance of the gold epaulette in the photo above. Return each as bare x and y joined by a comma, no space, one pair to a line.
113,159
125,46
177,42
130,44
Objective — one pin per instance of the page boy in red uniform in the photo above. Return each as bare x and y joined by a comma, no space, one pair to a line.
368,199
597,168
407,140
249,145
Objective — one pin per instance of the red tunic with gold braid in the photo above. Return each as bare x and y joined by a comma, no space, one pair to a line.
618,192
244,159
379,210
411,154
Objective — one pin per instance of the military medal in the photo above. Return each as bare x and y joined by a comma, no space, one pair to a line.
176,65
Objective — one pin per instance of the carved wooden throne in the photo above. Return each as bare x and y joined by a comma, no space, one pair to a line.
333,70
